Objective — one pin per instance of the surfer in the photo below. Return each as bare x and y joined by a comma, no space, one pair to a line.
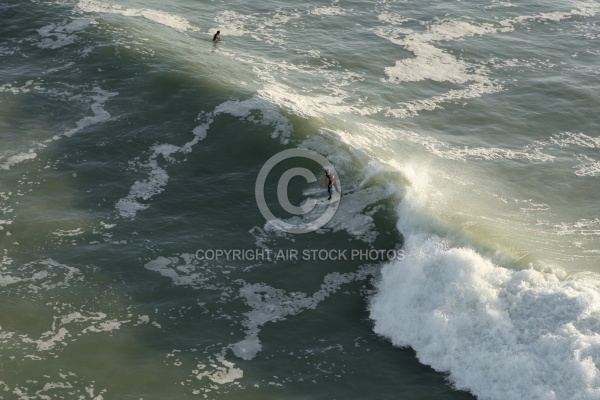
217,36
330,179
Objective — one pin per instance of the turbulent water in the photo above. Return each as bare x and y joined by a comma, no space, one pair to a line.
464,137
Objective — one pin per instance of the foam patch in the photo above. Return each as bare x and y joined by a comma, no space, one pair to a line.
161,17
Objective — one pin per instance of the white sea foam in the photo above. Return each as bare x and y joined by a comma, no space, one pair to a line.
331,96
269,29
222,371
107,226
158,178
315,105
353,216
6,51
430,63
584,227
332,10
568,139
270,115
498,332
234,21
69,233
143,190
588,166
172,21
433,63
17,158
4,222
582,8
28,87
269,304
47,386
391,18
183,275
378,138
56,36
473,90
97,100
68,322
373,137
41,275
100,114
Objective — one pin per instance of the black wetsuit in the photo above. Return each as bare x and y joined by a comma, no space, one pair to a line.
329,184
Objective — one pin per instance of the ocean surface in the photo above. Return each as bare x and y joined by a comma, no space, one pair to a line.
462,260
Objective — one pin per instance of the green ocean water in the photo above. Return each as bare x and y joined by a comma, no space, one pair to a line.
464,138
